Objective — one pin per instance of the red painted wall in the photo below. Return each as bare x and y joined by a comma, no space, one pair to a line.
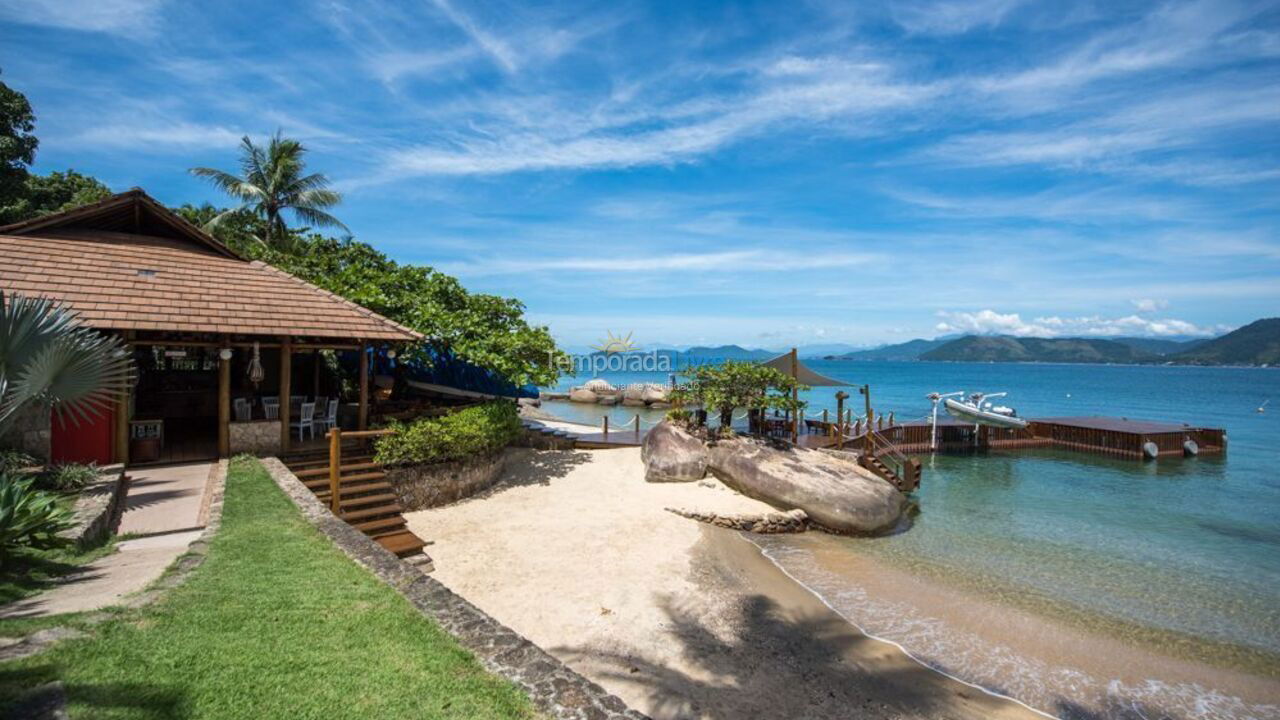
90,441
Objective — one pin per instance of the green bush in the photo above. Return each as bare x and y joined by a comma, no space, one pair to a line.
28,517
477,430
14,460
69,477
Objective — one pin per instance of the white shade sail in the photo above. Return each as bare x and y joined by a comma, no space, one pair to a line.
803,374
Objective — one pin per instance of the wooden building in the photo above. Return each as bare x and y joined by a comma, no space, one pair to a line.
196,317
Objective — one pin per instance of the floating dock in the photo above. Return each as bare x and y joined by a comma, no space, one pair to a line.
1119,437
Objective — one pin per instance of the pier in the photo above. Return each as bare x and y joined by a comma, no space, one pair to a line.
1118,437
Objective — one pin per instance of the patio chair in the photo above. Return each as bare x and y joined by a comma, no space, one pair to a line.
271,408
243,409
306,420
330,419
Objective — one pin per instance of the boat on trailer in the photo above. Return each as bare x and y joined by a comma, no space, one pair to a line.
979,411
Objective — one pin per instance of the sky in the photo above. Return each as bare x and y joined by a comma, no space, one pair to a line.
766,174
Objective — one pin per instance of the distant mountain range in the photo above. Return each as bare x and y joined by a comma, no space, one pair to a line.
1255,344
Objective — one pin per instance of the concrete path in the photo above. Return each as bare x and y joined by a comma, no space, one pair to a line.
166,509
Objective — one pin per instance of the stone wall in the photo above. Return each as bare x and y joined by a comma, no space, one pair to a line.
97,508
427,486
258,437
31,432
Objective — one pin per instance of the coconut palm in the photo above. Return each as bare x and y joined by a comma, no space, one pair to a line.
47,358
272,181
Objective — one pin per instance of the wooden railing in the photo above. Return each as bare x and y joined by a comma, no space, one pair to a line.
336,436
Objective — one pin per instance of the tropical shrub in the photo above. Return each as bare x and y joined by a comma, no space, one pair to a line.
68,477
736,384
47,358
14,460
478,430
28,517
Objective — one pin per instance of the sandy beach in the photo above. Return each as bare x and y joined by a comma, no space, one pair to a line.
577,552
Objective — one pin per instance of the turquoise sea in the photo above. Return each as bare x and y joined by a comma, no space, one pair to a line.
1179,557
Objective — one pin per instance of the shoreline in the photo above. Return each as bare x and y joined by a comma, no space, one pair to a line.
575,551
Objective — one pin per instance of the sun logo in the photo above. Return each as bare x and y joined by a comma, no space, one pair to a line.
614,344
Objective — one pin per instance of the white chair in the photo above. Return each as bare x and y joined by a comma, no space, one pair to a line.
244,410
330,419
271,408
306,420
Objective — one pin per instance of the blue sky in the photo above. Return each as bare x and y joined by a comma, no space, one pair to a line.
758,173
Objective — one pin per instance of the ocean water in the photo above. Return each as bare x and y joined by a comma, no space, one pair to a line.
1172,566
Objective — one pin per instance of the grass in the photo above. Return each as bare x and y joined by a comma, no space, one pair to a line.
277,623
27,571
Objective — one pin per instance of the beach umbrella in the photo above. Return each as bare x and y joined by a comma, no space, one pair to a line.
790,364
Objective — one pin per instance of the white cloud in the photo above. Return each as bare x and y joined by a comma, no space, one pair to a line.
1149,305
495,47
949,17
726,261
109,16
990,322
160,136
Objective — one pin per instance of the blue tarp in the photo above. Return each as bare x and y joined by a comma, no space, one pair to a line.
451,371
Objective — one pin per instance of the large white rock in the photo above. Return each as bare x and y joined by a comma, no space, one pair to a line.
672,455
634,391
599,385
836,493
655,393
582,395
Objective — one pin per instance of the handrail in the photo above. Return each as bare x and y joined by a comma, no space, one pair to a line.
335,460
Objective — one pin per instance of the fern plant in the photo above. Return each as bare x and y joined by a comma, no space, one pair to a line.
28,517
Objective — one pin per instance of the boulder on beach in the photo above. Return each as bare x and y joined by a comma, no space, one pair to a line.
654,393
632,402
607,399
634,391
582,395
836,493
599,385
672,455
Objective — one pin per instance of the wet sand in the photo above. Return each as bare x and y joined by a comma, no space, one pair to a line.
682,620
1068,670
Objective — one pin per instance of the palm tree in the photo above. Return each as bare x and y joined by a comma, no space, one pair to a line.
273,181
48,358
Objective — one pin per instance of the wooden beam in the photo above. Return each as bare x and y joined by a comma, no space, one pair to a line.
315,380
286,385
224,406
363,417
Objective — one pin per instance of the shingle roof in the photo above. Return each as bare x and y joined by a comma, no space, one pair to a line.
128,281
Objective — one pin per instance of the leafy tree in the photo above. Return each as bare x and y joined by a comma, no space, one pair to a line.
738,384
55,192
239,229
17,143
272,181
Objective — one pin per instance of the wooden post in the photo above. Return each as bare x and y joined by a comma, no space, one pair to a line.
606,427
315,380
795,397
335,470
224,406
362,422
286,387
840,398
637,425
866,439
122,413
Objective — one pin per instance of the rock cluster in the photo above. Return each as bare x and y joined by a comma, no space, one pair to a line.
600,392
773,523
834,492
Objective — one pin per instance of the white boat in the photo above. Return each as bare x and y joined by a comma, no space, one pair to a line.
980,412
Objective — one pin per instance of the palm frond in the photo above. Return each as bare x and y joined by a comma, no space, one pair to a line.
318,218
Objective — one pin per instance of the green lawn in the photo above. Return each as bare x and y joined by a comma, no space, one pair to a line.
277,623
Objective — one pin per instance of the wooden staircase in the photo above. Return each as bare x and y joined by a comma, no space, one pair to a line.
366,500
889,463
